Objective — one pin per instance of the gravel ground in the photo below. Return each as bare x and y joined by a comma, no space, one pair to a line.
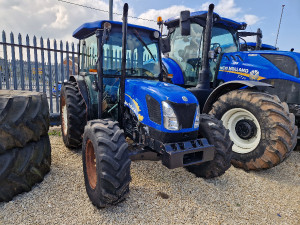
161,196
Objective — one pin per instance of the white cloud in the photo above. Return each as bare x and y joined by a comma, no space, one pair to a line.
226,8
166,13
48,18
62,17
251,19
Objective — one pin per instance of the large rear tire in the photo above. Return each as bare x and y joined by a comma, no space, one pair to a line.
261,127
106,163
73,114
216,134
24,117
21,168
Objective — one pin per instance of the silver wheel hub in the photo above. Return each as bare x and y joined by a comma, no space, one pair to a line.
245,131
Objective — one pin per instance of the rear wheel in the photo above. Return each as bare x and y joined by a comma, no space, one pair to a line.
73,114
216,134
106,163
261,127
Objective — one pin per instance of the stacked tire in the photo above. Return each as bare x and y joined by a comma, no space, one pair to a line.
25,152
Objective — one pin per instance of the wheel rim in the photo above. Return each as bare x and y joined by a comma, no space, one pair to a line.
64,115
245,131
90,160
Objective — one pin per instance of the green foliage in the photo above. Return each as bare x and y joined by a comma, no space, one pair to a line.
54,133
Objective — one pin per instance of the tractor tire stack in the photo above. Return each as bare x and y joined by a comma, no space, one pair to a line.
25,152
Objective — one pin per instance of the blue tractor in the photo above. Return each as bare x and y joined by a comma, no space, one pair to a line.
119,94
202,52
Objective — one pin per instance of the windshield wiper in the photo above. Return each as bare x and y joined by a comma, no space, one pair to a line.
144,44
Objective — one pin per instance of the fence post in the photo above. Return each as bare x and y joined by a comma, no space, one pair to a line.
29,63
43,64
5,60
50,75
21,62
73,59
13,61
37,82
62,62
56,75
68,62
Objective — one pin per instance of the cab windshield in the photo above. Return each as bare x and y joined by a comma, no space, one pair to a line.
142,54
187,50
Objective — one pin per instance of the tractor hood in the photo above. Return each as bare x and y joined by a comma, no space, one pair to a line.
161,91
144,98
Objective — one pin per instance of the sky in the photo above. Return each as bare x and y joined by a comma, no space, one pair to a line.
55,19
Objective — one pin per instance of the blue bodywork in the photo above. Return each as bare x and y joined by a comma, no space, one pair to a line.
174,69
251,65
135,98
136,91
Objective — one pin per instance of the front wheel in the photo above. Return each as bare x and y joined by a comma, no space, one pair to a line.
261,128
216,134
106,163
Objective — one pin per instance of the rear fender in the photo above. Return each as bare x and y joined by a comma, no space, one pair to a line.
85,94
227,87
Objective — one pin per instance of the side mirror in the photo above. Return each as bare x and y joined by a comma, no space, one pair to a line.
258,39
185,23
165,45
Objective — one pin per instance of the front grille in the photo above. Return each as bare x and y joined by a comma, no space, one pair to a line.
185,113
153,109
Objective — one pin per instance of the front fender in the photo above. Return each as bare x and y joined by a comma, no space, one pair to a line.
227,87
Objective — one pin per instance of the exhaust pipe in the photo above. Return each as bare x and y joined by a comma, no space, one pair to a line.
123,65
203,77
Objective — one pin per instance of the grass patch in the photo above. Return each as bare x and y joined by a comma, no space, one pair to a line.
54,133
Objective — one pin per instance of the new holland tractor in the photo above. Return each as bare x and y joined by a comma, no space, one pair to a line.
119,94
261,126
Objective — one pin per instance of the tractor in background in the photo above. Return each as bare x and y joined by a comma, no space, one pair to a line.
204,53
119,94
251,46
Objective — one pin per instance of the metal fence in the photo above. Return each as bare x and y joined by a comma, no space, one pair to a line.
37,67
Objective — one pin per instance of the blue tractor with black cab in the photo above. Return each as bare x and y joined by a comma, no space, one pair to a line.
119,94
202,54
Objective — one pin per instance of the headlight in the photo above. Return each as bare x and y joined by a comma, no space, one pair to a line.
197,118
170,119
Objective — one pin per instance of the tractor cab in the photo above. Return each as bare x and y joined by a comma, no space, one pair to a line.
187,50
101,60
